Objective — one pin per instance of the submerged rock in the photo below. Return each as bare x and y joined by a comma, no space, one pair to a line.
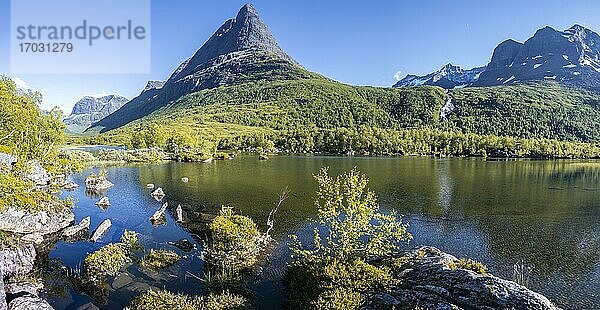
428,282
45,222
77,232
183,244
88,306
101,230
121,281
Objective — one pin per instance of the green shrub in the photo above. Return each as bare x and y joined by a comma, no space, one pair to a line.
468,264
338,299
169,301
162,300
130,240
106,261
234,240
159,259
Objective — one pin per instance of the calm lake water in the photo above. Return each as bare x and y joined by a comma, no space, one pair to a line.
544,214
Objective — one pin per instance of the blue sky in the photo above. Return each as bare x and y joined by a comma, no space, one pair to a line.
355,42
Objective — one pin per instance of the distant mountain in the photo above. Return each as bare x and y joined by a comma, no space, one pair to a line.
570,57
241,50
91,109
449,76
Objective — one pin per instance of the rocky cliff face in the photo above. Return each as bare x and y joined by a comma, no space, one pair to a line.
241,50
570,57
449,76
91,109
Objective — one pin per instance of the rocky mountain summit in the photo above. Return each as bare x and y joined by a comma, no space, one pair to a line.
91,109
570,57
241,50
449,76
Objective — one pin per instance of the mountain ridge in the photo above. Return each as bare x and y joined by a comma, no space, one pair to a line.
92,108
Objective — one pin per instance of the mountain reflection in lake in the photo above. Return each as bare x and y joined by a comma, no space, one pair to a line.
545,214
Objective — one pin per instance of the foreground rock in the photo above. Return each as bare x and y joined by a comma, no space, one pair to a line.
97,184
42,223
29,302
158,194
427,282
36,173
159,218
77,232
17,260
101,230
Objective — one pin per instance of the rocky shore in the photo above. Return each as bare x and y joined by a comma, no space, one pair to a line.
428,281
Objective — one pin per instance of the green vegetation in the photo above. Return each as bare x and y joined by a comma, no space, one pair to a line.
319,115
169,301
159,259
335,269
106,261
536,110
234,241
8,240
111,258
468,264
29,134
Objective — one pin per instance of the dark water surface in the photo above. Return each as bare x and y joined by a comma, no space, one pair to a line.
544,214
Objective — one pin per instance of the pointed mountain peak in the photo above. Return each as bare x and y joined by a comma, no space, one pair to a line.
245,32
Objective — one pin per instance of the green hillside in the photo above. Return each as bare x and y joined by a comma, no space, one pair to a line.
536,110
320,115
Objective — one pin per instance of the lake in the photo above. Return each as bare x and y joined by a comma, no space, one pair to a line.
544,215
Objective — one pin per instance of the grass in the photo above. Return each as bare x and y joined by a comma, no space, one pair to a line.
8,240
159,259
468,264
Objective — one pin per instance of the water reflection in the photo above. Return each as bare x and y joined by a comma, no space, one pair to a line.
543,213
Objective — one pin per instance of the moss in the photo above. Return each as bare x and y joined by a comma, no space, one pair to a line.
167,300
468,264
106,261
9,240
159,259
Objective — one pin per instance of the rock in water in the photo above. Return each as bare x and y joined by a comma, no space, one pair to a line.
149,185
428,282
101,230
103,202
185,180
70,185
179,214
158,194
29,303
183,244
159,218
88,306
77,232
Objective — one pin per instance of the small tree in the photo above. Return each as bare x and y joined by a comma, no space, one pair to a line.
351,226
